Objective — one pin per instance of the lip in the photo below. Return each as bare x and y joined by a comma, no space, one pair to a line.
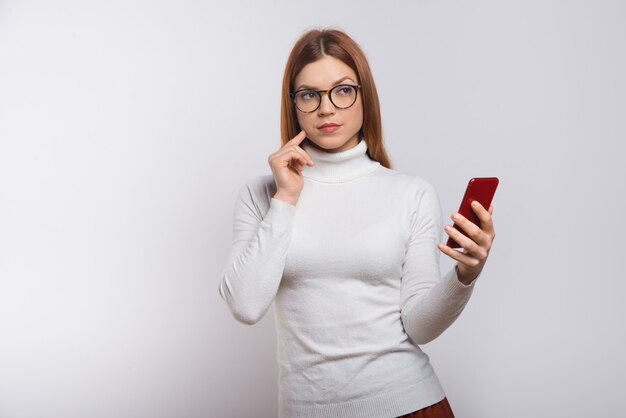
329,127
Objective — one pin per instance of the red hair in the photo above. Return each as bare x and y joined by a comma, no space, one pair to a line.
314,45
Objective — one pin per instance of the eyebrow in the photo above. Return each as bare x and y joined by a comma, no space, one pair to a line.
304,86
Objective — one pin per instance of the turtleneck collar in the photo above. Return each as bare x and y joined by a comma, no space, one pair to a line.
339,167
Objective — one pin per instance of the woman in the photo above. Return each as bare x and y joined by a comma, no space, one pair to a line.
347,249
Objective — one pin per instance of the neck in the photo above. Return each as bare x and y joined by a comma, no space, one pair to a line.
339,167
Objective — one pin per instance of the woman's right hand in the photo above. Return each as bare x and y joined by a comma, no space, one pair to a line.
287,164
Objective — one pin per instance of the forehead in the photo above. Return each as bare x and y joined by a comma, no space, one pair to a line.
323,72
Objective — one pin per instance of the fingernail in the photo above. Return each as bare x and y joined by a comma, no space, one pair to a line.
475,204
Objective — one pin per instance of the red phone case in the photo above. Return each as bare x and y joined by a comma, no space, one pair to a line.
478,188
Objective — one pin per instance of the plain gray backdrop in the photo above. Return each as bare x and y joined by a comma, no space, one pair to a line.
127,127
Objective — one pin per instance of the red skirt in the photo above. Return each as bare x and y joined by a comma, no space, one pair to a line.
439,410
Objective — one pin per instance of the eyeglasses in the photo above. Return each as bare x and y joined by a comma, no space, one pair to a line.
341,96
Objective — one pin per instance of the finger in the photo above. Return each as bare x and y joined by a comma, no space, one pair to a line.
297,139
294,153
471,247
458,256
485,217
305,156
493,235
295,144
470,228
297,165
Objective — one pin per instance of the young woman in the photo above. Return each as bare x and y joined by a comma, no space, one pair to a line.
347,249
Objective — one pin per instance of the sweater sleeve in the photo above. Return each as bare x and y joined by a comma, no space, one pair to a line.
256,259
429,303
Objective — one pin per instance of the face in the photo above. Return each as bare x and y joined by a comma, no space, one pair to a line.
324,74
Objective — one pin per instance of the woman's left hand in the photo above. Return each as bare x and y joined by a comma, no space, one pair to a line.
476,248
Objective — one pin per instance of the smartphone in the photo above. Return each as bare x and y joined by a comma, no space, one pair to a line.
478,188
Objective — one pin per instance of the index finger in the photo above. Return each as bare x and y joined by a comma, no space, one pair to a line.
298,138
486,224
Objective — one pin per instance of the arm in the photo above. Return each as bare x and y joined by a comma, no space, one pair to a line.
429,303
256,258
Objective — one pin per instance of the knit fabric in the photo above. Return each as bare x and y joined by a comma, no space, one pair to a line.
353,273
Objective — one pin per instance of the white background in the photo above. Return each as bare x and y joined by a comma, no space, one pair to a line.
127,127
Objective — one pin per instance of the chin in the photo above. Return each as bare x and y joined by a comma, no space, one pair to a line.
329,143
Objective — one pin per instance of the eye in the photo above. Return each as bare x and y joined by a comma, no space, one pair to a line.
344,90
306,95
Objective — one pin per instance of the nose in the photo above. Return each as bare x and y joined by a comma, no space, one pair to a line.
326,106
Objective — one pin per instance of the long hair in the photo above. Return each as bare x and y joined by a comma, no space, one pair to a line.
314,45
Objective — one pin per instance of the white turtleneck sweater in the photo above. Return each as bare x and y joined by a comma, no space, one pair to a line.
353,271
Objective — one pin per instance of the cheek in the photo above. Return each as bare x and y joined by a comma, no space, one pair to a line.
305,121
357,116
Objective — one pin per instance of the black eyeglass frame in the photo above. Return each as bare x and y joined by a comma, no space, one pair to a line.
356,88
